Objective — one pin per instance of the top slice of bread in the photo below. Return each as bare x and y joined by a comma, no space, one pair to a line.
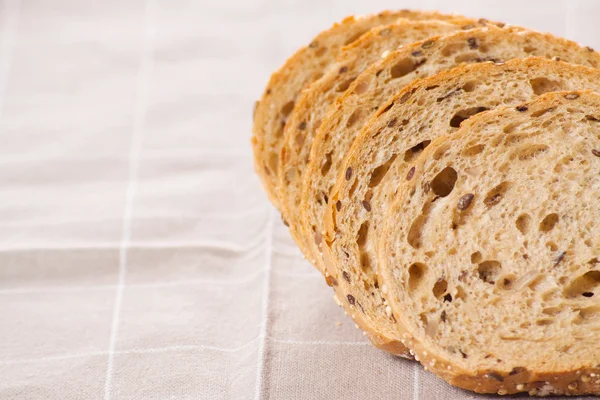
491,250
382,80
313,103
380,158
306,65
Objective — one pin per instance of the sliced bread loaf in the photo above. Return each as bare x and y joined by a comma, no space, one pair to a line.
491,250
314,102
381,156
383,79
305,66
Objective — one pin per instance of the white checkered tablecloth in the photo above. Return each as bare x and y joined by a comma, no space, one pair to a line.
139,257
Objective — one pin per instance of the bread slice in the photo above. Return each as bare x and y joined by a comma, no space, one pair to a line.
313,103
419,113
305,66
491,250
385,78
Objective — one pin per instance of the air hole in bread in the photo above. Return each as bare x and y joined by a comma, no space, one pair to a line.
414,233
365,263
319,53
495,195
273,162
589,313
287,108
540,283
544,85
411,153
544,322
510,128
354,117
506,282
440,288
529,49
344,85
326,164
466,58
450,49
290,174
403,67
539,113
523,223
489,270
379,173
462,115
549,222
460,293
531,151
511,140
585,283
320,74
476,257
473,150
416,273
299,139
443,183
552,246
362,234
552,310
353,188
470,86
361,86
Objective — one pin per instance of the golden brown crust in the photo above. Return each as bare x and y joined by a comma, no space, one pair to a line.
346,198
327,144
284,86
503,379
314,101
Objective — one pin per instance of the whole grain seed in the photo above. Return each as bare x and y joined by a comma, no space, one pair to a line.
351,299
560,257
366,205
410,174
465,201
346,276
349,173
495,376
